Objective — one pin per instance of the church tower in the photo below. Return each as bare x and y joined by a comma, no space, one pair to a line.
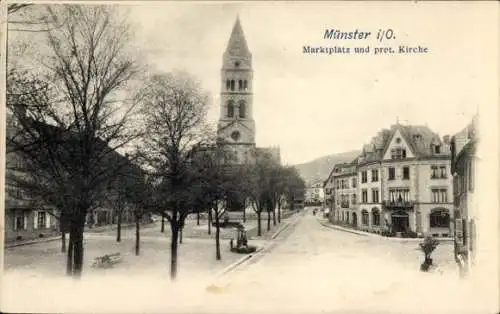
236,127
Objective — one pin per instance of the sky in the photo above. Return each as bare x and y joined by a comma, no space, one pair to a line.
315,105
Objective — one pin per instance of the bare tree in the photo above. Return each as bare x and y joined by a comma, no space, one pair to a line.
70,125
219,179
259,183
174,112
137,192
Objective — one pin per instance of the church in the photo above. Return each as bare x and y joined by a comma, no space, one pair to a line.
236,128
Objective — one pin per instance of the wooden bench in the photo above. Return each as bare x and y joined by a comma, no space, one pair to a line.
108,260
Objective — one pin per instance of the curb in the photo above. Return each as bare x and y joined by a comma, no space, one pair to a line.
362,233
240,261
324,224
258,252
281,229
11,245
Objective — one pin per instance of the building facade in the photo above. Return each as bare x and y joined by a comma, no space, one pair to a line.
27,218
403,184
464,161
24,217
315,194
345,194
329,188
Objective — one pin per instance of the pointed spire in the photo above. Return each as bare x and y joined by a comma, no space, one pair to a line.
237,45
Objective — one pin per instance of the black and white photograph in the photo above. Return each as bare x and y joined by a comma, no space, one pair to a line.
249,157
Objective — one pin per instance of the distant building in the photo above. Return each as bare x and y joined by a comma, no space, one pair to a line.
315,194
463,162
329,188
345,184
403,184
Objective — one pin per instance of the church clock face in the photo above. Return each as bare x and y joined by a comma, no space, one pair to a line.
235,136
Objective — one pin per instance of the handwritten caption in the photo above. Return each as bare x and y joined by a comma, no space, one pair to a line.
385,43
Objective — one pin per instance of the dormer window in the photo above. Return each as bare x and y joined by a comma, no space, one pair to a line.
417,136
398,153
437,149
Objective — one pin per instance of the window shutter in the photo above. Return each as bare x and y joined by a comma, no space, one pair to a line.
47,220
25,221
35,219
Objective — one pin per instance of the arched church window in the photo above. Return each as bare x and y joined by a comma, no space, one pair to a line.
230,109
232,84
245,85
242,109
228,84
240,85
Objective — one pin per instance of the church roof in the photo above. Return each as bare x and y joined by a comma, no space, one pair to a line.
237,45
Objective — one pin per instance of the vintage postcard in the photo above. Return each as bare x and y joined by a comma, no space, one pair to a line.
249,157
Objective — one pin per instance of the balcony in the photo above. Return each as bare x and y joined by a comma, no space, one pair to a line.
399,204
344,204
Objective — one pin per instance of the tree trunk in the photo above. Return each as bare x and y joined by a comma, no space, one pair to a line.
209,221
198,217
173,250
76,237
217,238
69,257
162,224
180,235
268,220
137,236
279,213
274,217
259,224
244,215
63,242
119,227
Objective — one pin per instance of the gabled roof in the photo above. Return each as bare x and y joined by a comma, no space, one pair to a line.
418,138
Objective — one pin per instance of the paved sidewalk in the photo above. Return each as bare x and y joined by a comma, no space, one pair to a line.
328,224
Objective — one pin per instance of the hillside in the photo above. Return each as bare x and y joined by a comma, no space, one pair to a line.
319,168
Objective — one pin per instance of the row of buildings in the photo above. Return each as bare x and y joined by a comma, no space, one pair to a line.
402,183
28,217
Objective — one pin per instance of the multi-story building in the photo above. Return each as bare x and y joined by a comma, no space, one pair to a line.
463,167
345,195
24,217
369,177
329,188
315,194
28,218
403,183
